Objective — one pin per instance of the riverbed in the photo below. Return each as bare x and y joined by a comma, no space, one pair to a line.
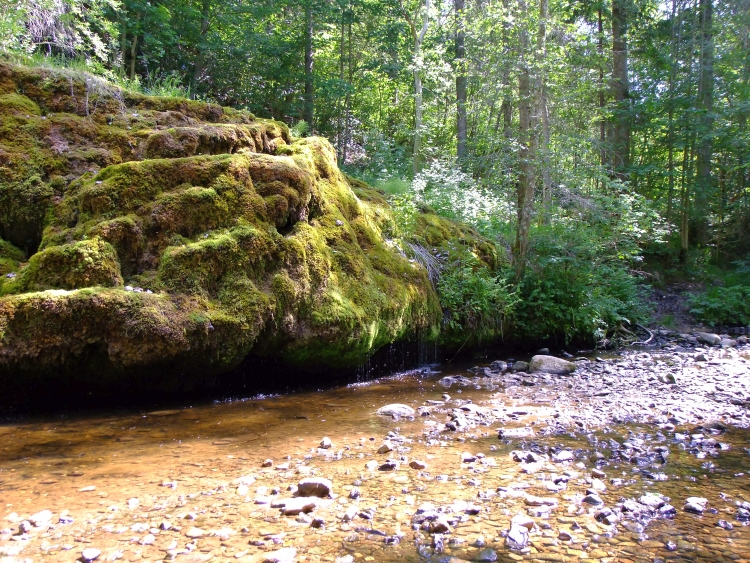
492,465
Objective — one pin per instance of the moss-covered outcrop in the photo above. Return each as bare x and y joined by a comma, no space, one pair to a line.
171,237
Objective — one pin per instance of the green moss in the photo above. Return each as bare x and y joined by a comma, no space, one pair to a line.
250,242
80,264
19,104
10,252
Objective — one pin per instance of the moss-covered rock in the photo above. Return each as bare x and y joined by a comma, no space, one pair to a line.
85,263
176,238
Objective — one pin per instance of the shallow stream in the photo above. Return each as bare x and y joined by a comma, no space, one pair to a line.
135,484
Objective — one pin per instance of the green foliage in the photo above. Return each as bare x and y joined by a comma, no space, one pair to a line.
300,129
168,85
577,284
476,301
70,28
572,299
394,186
404,215
729,306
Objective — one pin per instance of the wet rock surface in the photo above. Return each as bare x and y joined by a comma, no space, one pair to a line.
614,462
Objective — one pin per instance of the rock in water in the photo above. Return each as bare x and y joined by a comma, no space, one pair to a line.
294,506
487,554
709,338
518,537
551,364
326,443
90,553
563,456
696,505
285,555
41,518
397,409
314,487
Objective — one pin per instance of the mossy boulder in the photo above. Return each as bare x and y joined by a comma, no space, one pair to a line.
175,238
85,263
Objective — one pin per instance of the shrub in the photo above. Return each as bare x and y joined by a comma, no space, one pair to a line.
722,306
404,215
573,288
475,300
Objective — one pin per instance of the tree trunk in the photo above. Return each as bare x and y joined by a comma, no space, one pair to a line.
348,101
133,52
676,39
541,52
602,100
620,90
418,159
461,80
200,59
124,41
687,154
704,145
309,101
341,106
525,186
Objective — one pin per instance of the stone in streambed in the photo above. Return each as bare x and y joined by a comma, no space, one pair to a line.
314,487
696,505
396,409
90,553
41,518
284,555
293,506
194,533
487,554
709,338
385,448
517,538
551,364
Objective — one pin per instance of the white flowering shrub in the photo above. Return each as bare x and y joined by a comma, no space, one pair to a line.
455,194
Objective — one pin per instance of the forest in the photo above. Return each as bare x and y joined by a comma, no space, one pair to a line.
602,146
389,281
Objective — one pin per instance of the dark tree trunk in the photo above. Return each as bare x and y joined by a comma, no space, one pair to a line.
200,59
309,101
602,100
620,89
461,79
526,135
704,145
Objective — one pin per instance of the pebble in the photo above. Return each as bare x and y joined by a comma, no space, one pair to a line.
41,518
397,409
314,487
487,554
90,554
517,538
194,533
696,505
284,555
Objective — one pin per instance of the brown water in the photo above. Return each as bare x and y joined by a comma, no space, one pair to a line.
197,451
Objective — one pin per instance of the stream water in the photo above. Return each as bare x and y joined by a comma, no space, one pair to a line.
135,486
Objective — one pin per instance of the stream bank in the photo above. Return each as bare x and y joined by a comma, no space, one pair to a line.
637,456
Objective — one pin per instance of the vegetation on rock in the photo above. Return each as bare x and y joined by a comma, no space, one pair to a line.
175,233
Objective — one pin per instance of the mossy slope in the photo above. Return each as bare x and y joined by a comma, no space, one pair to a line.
179,237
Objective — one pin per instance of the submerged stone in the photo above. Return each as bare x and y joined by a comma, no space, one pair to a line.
551,364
